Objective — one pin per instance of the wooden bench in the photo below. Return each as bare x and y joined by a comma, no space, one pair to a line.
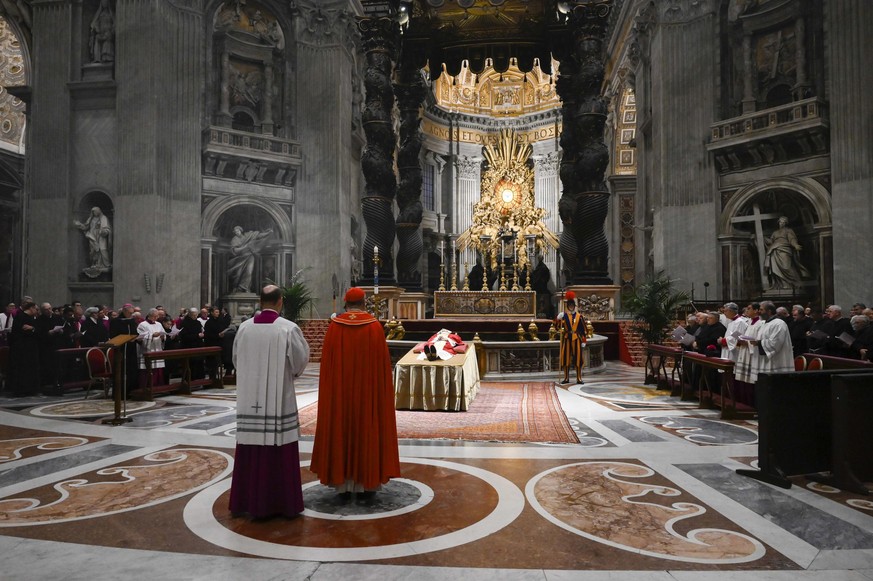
830,362
72,369
184,357
657,357
722,395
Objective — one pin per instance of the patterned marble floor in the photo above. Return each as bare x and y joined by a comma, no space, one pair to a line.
649,493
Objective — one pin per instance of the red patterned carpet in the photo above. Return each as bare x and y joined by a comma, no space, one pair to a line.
502,412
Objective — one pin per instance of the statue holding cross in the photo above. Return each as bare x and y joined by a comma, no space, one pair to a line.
778,253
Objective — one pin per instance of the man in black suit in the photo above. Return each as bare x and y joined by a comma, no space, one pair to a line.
125,324
94,332
799,326
835,346
707,340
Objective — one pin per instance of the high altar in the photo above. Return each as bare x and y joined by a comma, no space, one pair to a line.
500,318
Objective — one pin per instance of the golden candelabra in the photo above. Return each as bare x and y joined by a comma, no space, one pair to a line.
502,277
454,274
466,276
533,331
442,276
527,279
515,277
553,332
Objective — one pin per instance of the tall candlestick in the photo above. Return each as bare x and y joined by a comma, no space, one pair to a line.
375,270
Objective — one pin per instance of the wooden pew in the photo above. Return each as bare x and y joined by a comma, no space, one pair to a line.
72,369
722,395
657,357
797,423
830,362
184,357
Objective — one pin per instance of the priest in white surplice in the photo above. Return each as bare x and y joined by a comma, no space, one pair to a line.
736,326
775,354
268,353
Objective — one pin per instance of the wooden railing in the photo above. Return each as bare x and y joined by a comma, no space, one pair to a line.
715,385
184,357
657,358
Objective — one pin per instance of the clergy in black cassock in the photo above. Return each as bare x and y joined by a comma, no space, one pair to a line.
24,352
125,324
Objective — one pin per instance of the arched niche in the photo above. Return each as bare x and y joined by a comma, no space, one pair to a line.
94,224
273,260
745,230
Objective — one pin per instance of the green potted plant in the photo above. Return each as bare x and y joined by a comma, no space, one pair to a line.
653,305
297,297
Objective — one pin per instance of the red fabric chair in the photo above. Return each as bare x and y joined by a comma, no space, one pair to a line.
99,370
815,364
800,363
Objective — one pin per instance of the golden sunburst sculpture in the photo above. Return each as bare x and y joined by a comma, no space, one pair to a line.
507,204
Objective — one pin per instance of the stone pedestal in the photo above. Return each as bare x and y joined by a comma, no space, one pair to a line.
386,304
411,305
240,305
595,302
97,71
93,293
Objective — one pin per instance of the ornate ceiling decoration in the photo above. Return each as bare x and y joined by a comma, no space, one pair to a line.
450,32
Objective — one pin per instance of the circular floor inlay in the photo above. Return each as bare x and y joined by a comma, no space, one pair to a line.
201,521
397,497
87,408
621,505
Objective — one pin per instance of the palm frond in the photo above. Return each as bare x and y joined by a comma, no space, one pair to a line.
654,304
297,297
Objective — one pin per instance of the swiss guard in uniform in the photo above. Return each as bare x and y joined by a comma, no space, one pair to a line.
571,325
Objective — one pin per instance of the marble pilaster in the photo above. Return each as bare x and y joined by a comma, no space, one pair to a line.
682,109
157,202
47,181
327,183
849,23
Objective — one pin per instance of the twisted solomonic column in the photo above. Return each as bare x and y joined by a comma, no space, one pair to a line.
585,200
410,90
379,37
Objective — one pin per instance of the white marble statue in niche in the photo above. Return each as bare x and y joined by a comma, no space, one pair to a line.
102,38
782,261
97,232
244,247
